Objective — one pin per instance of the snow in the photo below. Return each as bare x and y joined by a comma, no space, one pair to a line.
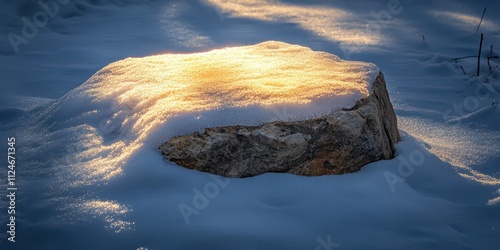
266,74
312,18
90,176
115,112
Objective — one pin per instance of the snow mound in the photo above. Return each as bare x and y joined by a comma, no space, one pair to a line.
145,101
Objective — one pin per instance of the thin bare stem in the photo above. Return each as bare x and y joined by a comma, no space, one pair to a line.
482,16
458,58
462,68
479,54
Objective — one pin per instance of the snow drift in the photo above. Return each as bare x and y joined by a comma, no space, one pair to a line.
122,106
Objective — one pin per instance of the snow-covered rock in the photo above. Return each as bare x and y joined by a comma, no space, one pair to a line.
337,143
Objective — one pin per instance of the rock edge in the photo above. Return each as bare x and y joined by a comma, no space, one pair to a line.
338,143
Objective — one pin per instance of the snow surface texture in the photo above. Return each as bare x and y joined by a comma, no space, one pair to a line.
117,110
447,195
312,18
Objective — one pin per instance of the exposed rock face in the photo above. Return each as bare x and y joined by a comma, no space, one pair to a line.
341,142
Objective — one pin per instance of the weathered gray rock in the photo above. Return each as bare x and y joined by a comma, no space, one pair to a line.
341,142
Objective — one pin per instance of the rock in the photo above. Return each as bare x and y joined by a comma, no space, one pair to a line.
338,143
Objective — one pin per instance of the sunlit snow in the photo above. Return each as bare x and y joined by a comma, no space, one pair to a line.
128,100
330,23
90,175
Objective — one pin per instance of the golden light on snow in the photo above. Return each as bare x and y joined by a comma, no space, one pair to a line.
105,207
330,23
464,21
265,74
143,93
111,211
455,145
